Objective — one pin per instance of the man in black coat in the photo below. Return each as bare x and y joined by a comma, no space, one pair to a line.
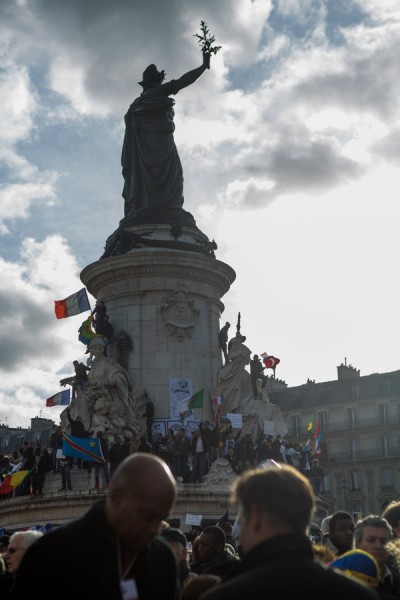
275,509
114,547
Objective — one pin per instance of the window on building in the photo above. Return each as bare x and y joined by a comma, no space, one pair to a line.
351,413
326,484
356,511
356,389
387,387
383,414
385,446
295,425
353,449
323,419
386,479
355,481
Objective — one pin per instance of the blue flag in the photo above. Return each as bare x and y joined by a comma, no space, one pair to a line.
224,519
86,448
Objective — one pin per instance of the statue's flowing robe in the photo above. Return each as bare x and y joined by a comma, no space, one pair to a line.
151,166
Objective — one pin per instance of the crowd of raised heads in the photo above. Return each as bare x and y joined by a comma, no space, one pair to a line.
190,456
126,547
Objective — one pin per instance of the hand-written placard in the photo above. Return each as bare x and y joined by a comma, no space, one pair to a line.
193,520
236,420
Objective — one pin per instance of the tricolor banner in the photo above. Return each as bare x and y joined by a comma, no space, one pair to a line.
60,399
73,305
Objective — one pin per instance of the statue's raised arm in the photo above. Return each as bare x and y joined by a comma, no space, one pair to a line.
151,167
189,77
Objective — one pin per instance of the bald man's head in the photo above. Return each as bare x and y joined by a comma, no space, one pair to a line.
141,493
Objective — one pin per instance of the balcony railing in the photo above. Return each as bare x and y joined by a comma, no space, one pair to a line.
346,425
369,454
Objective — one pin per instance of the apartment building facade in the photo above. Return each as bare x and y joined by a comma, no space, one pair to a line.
359,418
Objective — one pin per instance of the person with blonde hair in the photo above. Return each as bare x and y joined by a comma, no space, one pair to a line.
276,505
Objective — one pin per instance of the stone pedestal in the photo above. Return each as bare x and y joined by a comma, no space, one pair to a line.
210,499
166,293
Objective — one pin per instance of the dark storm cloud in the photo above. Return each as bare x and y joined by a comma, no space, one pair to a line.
26,330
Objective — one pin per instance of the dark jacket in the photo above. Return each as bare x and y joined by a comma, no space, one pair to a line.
28,458
284,567
6,585
77,427
390,586
116,454
220,565
80,560
149,410
124,342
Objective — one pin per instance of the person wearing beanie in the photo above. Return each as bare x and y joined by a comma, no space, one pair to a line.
358,564
177,541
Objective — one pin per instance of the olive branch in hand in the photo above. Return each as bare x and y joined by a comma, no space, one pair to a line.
205,40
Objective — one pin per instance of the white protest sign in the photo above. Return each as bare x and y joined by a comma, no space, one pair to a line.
269,427
236,420
193,520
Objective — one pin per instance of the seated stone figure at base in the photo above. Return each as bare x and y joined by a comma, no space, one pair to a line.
108,400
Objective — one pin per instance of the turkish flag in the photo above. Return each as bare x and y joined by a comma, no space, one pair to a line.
270,362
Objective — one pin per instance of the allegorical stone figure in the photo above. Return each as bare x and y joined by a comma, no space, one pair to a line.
107,400
233,381
151,166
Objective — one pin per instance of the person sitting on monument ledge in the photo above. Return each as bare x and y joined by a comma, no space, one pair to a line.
151,166
99,314
124,347
106,329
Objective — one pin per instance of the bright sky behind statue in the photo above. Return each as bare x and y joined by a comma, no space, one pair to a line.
290,152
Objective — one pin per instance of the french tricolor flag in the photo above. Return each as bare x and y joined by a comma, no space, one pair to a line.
62,398
218,401
73,305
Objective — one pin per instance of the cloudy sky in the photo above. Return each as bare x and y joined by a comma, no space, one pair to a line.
290,151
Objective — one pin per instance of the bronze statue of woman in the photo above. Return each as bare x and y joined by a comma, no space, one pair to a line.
151,166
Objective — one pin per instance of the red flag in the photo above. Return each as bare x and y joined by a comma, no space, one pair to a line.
6,487
317,429
218,416
269,361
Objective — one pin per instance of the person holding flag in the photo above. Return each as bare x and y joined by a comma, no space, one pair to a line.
270,362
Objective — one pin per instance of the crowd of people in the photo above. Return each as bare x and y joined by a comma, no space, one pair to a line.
189,455
124,546
34,460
